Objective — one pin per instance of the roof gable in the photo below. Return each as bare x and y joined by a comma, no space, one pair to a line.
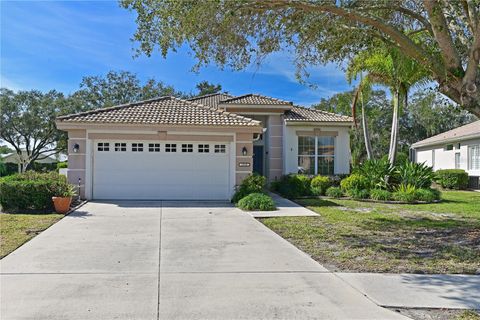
471,130
256,99
302,114
164,110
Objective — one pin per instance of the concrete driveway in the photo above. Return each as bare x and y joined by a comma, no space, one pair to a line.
171,260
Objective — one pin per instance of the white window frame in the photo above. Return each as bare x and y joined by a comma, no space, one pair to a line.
470,157
103,146
154,147
457,160
120,147
137,147
220,148
316,156
170,147
187,148
203,148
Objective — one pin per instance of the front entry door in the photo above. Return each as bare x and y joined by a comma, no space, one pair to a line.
258,159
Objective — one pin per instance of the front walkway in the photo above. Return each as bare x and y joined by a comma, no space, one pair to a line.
285,208
171,260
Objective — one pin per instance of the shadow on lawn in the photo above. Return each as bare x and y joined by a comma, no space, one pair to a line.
389,223
314,202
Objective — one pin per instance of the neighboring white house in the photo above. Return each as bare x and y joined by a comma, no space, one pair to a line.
455,149
170,148
15,158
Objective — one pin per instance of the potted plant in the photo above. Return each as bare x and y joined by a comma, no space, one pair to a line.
63,198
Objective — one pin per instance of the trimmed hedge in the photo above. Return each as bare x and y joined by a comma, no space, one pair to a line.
293,186
254,183
257,201
452,178
354,182
319,185
334,192
31,191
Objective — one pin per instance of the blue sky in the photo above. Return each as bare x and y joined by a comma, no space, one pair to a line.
53,44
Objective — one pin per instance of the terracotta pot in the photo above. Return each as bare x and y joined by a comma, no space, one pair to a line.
61,204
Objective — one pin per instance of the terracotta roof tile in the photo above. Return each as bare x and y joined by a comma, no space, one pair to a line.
255,99
211,100
302,114
163,110
471,130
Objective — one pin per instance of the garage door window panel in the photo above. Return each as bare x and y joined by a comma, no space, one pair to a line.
203,148
171,147
220,148
120,146
187,147
137,147
103,146
154,147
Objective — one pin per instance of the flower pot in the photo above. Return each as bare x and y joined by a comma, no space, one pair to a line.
62,204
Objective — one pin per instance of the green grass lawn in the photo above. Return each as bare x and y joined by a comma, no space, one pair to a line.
16,229
372,237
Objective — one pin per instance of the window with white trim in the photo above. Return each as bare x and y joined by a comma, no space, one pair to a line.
474,157
316,155
120,146
187,147
103,146
154,147
457,160
171,147
220,148
203,148
137,147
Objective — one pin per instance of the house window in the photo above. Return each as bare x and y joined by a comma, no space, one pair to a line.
457,160
474,157
171,147
120,146
220,148
316,155
203,148
187,147
137,147
154,147
103,146
449,147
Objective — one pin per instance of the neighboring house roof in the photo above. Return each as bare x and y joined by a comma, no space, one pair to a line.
163,110
14,158
211,100
468,131
255,99
302,114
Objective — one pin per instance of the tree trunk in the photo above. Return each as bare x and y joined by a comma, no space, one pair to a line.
366,134
392,153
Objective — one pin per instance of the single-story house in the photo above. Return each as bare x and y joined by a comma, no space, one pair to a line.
455,149
201,148
15,158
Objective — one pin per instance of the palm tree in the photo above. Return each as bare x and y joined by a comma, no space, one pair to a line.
387,66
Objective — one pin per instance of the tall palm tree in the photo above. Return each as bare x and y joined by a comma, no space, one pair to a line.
387,66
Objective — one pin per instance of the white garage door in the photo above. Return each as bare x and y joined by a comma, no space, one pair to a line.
161,170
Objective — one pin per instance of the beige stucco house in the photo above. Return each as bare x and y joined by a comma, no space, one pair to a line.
170,148
455,149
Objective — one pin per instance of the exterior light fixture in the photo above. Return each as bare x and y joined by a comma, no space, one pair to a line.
76,147
244,151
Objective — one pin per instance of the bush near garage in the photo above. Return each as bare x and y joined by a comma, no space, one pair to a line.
31,191
452,178
257,201
293,186
319,185
254,183
380,194
334,192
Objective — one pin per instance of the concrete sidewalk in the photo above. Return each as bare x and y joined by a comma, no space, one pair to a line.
418,290
286,208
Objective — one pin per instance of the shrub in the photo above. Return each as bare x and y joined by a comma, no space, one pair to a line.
354,181
252,184
418,175
293,186
427,195
334,192
319,185
380,194
358,193
377,172
405,193
62,165
31,190
452,178
257,201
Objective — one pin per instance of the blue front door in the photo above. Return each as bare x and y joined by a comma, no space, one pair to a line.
258,159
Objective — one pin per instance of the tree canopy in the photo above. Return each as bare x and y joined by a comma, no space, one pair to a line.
442,36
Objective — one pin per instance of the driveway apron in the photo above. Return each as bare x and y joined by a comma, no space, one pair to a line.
171,260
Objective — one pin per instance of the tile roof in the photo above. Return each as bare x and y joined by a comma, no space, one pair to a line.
163,110
255,99
471,130
302,114
211,100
